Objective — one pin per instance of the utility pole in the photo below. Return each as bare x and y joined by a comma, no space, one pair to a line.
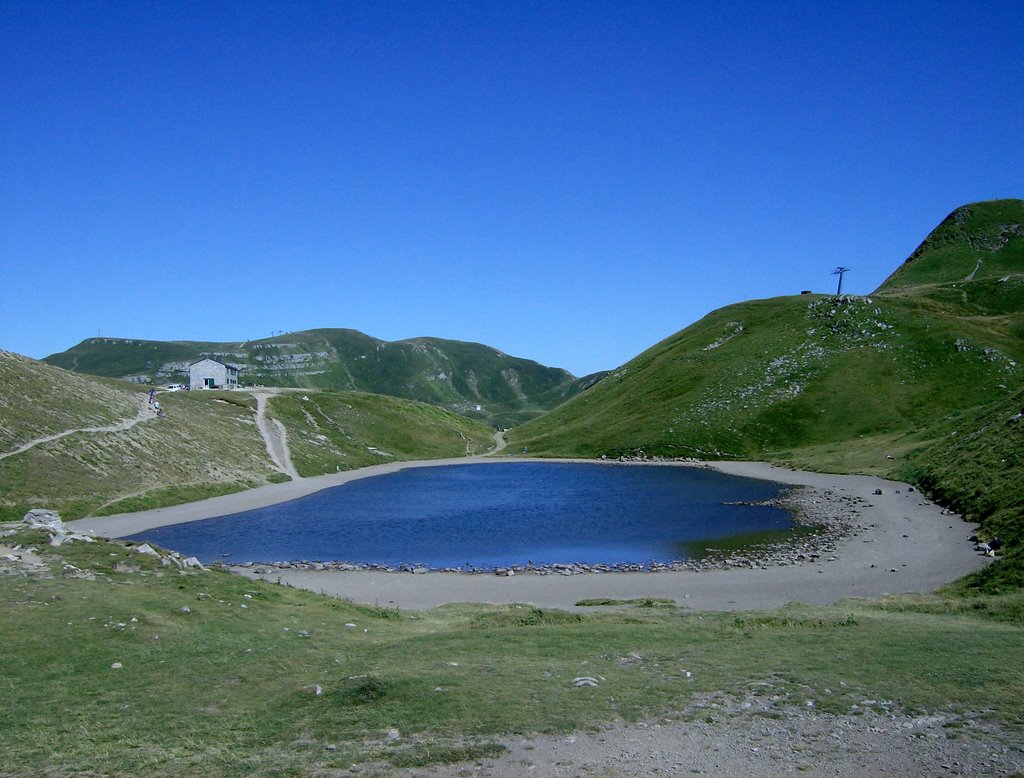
839,271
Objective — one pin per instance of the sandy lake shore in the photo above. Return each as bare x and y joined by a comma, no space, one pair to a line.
904,543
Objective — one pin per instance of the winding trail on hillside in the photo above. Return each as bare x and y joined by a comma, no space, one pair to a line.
146,413
275,437
499,442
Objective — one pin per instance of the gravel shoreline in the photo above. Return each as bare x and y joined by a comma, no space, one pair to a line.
880,537
824,519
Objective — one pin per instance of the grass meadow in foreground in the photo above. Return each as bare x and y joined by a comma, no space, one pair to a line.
116,665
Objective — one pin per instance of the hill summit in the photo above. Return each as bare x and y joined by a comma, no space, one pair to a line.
976,241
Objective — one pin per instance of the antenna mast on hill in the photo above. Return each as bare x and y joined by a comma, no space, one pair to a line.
839,271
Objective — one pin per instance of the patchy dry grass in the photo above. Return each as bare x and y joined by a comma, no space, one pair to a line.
228,686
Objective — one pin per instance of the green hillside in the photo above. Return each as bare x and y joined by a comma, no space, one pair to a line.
468,378
850,384
330,431
976,466
976,241
71,400
778,377
121,456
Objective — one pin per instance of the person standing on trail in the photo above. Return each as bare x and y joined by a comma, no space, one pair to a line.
152,392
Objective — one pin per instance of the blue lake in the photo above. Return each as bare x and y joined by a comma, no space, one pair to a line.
494,515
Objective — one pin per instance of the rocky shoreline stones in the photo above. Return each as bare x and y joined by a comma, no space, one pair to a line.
823,519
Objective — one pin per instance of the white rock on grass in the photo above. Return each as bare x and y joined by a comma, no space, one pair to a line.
40,518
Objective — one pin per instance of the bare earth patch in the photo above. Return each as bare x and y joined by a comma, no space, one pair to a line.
722,737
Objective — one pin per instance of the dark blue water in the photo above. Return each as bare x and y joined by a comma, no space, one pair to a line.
493,515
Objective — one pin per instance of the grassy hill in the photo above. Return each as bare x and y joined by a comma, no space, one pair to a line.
329,431
468,378
851,384
976,241
790,375
155,672
976,465
71,401
205,443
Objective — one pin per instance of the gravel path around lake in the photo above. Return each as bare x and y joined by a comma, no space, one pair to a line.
736,736
893,540
898,542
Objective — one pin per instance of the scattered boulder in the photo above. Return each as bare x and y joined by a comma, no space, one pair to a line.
40,518
50,521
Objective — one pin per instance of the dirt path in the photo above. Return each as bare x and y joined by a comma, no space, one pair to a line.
146,413
499,442
275,437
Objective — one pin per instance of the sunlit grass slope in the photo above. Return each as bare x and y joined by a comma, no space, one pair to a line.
774,377
204,444
36,401
218,674
200,447
975,242
329,431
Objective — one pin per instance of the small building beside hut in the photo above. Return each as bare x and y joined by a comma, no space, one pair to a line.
211,374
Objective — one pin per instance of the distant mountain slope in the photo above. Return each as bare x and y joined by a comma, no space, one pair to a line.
205,443
468,378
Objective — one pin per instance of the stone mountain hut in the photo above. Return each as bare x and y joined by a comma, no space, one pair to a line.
211,374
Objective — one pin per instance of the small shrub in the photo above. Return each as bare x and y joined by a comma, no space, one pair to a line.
426,754
525,617
362,691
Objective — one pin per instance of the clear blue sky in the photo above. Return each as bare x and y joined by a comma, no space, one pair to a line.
567,182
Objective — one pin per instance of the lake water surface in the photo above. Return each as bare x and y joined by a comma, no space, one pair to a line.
494,515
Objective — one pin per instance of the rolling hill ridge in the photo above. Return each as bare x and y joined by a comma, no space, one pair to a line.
93,446
468,378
